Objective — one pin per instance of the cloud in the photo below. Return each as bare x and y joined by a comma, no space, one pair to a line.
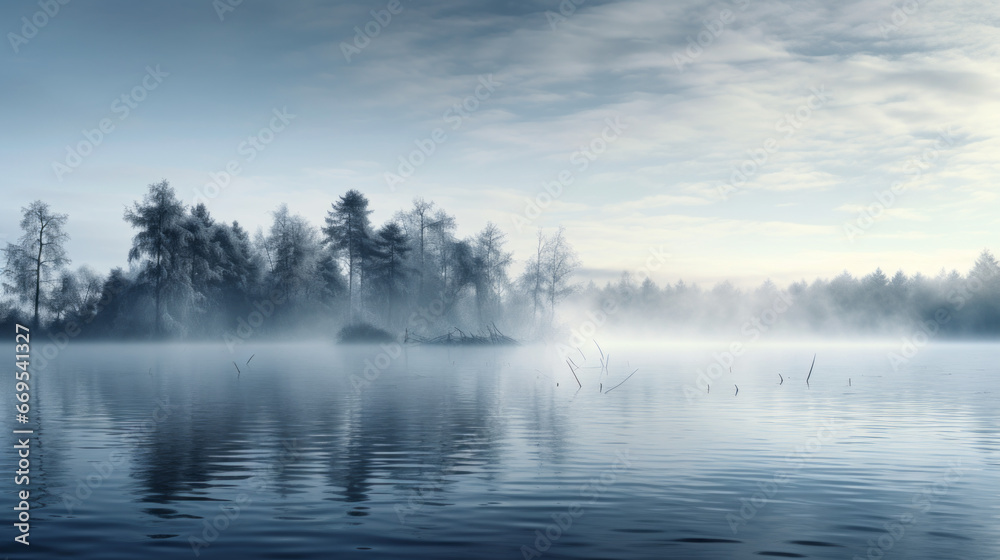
890,92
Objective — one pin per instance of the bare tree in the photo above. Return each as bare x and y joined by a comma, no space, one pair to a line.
547,277
532,281
493,261
416,222
442,230
560,263
31,262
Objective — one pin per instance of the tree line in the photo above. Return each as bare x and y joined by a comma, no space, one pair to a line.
189,275
948,303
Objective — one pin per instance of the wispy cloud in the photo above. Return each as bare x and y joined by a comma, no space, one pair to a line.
889,95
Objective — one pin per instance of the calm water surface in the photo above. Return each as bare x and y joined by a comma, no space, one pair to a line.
155,452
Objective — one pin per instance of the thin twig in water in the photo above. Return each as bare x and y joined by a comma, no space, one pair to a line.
782,379
811,370
238,372
622,383
251,357
571,370
574,363
581,353
737,389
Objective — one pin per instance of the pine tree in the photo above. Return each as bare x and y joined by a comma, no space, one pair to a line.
388,268
160,242
348,232
294,248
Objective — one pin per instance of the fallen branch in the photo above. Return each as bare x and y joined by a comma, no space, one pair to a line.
456,336
622,383
574,374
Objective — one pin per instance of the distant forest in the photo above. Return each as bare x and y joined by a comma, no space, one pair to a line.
948,304
189,276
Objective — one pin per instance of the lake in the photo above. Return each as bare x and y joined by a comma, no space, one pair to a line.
167,451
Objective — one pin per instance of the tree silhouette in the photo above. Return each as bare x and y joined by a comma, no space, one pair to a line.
532,281
388,271
348,230
559,264
196,276
31,262
416,223
493,262
295,251
160,240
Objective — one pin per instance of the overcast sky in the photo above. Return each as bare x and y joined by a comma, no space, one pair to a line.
837,100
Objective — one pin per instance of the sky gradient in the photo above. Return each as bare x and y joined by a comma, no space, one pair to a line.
744,157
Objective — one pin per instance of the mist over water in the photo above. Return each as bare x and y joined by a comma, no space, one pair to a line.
490,415
316,450
498,279
194,277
